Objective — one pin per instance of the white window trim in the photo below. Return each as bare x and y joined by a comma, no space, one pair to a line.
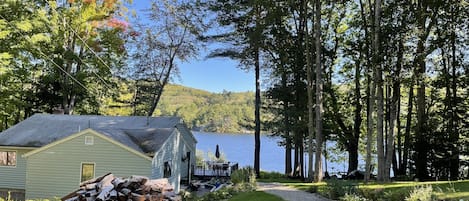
10,166
89,140
81,170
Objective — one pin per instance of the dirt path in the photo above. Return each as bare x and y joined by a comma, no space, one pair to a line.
288,193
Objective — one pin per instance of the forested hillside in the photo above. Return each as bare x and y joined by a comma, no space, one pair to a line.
225,112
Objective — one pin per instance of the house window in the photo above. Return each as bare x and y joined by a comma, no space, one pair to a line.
87,171
167,169
89,140
8,158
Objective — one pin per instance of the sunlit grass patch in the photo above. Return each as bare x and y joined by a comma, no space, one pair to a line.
445,190
255,195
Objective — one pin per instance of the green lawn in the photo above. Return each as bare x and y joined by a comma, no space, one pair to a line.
255,195
445,190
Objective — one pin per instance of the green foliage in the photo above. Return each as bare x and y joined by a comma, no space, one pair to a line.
352,197
222,194
255,195
336,189
422,193
244,175
313,189
225,112
272,175
199,157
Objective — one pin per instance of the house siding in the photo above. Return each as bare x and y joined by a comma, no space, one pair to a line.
170,151
55,172
14,177
189,145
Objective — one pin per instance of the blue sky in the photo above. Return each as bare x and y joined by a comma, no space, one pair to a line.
214,75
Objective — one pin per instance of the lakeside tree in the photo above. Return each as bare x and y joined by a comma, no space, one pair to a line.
244,39
66,55
169,35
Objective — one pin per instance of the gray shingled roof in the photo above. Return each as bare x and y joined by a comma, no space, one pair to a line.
143,134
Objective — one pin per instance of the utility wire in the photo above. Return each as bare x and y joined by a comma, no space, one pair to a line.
79,37
48,58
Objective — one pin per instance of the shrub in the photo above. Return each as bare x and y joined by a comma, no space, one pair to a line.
352,197
422,193
336,189
244,175
272,175
224,193
313,189
396,195
372,194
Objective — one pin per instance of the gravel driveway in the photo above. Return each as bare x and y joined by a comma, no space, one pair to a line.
288,193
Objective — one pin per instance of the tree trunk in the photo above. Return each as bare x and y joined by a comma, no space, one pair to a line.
370,92
398,164
392,123
421,145
379,84
310,98
296,161
288,148
407,140
454,133
257,112
353,151
302,160
161,88
319,135
288,141
257,132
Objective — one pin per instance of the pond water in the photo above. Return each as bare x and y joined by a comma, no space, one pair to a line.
240,148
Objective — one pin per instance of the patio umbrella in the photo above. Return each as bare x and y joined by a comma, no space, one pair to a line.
217,152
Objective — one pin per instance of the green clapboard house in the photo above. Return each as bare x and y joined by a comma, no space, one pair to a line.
47,156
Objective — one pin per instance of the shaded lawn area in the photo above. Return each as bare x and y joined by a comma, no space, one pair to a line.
255,195
445,190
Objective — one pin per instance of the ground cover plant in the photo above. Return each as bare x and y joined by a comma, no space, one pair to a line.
255,195
337,189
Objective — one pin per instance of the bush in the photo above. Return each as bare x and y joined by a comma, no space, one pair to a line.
372,194
422,193
336,189
352,197
313,189
396,195
244,175
222,194
272,175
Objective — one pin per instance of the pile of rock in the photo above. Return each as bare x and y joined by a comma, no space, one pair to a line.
135,188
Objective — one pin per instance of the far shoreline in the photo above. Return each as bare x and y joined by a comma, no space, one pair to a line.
232,133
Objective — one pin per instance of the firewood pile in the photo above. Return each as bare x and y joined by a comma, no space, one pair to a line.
134,188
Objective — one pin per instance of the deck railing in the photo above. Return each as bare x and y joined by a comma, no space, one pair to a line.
215,169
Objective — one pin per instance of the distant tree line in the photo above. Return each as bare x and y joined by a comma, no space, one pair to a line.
226,112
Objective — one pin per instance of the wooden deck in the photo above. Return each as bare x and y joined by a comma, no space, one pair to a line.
215,169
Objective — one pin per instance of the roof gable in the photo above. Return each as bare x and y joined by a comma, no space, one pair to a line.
87,132
43,129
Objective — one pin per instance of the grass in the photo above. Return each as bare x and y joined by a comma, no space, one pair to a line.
456,190
255,195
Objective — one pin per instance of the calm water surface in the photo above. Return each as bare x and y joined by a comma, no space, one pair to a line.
240,148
